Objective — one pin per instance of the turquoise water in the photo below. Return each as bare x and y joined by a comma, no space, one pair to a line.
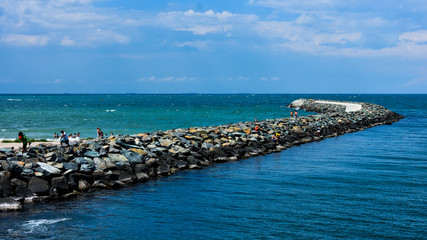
365,185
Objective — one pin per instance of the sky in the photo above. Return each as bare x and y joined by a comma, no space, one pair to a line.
216,46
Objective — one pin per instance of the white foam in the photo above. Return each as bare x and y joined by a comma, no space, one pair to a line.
36,225
349,107
112,110
12,99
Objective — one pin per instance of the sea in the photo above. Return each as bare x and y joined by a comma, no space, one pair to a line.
370,184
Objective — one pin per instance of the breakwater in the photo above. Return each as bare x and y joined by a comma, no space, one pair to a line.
49,173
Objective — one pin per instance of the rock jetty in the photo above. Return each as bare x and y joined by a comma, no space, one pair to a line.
49,173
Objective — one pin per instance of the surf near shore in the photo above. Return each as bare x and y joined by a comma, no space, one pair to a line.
49,173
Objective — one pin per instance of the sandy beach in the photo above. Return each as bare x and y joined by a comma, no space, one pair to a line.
19,145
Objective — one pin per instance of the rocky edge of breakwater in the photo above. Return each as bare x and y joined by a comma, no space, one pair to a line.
49,173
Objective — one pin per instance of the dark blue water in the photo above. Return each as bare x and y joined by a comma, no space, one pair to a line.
370,184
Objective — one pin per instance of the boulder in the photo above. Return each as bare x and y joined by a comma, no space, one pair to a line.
8,204
48,169
142,177
166,143
87,168
81,160
71,166
91,154
5,184
163,170
297,129
83,185
23,192
132,157
59,182
117,157
38,185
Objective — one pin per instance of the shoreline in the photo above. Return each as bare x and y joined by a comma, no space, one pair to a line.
49,173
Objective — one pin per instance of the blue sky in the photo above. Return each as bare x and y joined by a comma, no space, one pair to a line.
221,46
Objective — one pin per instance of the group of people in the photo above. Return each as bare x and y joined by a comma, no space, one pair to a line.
65,139
75,136
294,114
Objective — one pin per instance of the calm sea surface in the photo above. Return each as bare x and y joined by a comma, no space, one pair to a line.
366,185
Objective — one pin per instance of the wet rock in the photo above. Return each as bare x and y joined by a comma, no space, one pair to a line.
38,185
163,170
83,185
98,174
23,192
59,182
5,184
8,204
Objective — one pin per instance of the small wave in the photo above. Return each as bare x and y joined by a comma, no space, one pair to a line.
36,225
13,99
8,139
112,110
4,130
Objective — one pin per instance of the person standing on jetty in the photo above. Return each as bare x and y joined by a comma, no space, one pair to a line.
100,133
292,114
24,141
296,114
64,138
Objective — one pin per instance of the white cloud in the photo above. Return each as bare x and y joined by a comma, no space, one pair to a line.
418,36
193,44
66,41
24,40
269,79
318,27
298,6
202,23
165,79
420,81
64,22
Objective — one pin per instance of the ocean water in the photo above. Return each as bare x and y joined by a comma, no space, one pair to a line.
365,185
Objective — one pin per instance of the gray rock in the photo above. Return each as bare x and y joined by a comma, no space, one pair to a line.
59,182
132,157
99,184
100,164
81,160
48,169
87,168
163,170
142,177
23,192
8,204
165,143
5,184
71,166
98,174
91,154
117,158
83,185
18,183
181,164
26,173
38,185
